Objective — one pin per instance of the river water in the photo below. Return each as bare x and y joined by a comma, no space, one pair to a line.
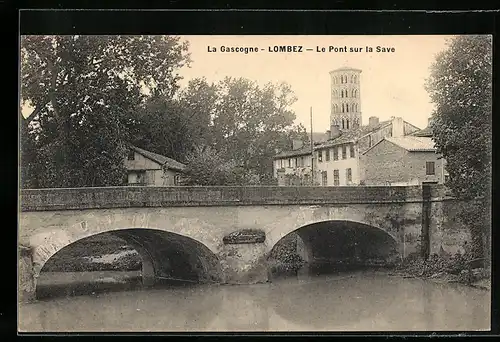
357,301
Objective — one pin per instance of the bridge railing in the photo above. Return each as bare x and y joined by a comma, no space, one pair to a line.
144,196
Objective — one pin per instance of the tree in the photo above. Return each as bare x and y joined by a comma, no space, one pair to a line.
460,85
251,123
175,126
206,166
84,91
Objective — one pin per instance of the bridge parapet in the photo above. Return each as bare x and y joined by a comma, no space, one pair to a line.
133,196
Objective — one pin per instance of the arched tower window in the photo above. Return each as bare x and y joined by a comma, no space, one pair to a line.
347,107
343,124
342,93
347,123
346,93
345,78
343,107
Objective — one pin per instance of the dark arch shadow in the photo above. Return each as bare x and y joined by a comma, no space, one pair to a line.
333,245
152,258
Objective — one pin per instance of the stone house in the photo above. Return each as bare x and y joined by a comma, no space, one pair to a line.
151,169
407,160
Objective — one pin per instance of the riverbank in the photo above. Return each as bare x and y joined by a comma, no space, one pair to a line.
454,269
100,253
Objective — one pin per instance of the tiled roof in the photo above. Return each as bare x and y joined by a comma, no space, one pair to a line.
169,162
426,132
346,136
298,152
414,144
353,135
318,137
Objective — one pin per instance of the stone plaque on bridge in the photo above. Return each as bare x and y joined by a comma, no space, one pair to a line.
245,236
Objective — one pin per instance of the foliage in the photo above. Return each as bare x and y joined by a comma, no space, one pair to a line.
84,90
251,123
91,95
461,88
206,166
175,126
456,268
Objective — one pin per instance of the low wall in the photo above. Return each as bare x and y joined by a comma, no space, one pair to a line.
124,197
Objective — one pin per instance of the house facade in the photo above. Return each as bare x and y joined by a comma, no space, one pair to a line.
408,160
339,161
293,168
145,168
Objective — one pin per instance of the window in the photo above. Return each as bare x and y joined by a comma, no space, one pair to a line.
336,180
344,152
301,161
351,151
430,168
289,163
335,153
296,164
131,155
327,155
320,156
348,175
347,123
446,178
324,177
347,107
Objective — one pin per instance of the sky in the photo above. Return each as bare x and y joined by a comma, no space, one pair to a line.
392,83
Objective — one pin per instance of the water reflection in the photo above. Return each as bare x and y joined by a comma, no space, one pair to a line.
345,302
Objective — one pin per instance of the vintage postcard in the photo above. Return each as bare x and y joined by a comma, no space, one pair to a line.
255,183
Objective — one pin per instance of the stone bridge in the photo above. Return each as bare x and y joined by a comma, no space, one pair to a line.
188,225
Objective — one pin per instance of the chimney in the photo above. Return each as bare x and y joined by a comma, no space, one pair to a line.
398,128
296,144
373,121
334,131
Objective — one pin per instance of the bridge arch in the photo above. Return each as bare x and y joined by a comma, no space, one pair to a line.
164,254
334,240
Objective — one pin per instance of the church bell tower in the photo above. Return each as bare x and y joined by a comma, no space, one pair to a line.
345,98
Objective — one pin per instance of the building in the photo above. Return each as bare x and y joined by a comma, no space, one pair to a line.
339,160
293,167
345,101
406,160
152,169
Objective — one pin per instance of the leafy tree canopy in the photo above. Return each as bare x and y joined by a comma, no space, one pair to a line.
460,85
83,91
461,88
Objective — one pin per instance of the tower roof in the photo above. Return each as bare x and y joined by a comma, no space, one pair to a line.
346,69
